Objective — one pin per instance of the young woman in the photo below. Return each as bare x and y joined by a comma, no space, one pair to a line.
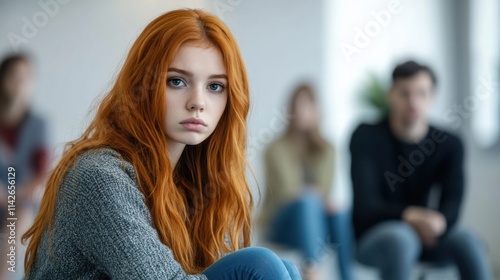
155,188
297,210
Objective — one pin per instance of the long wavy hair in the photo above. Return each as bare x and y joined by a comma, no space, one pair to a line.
201,209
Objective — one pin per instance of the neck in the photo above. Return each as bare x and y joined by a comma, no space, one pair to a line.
175,150
408,132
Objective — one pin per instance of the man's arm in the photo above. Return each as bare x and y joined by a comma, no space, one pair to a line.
452,183
429,224
369,205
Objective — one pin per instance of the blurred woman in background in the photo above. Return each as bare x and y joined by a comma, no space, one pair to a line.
298,209
23,146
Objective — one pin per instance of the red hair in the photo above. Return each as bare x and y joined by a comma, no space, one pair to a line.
202,208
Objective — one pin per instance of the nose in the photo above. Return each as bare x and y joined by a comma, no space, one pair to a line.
196,101
414,99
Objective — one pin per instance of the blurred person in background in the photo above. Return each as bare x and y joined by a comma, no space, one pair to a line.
395,164
24,146
298,210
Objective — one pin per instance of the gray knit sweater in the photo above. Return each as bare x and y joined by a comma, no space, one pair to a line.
103,228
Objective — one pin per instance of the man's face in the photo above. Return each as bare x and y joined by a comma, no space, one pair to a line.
411,98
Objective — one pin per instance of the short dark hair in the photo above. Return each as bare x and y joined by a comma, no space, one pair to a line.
411,68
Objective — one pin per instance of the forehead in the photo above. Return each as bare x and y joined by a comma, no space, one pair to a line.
199,59
421,79
303,96
17,66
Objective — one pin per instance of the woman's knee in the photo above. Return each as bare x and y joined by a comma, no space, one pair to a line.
249,263
292,269
309,206
309,198
259,256
257,251
264,262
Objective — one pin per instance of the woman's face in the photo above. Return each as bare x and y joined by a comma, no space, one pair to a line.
196,94
306,115
17,86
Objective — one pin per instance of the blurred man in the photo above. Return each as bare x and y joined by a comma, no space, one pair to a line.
395,164
23,146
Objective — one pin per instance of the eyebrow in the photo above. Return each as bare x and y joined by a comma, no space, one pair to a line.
187,73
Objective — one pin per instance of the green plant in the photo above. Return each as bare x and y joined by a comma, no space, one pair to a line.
374,93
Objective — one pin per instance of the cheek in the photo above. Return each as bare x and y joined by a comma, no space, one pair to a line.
397,102
172,106
425,106
10,85
217,112
221,106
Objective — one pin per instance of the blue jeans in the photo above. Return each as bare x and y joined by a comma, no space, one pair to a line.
401,249
252,263
304,224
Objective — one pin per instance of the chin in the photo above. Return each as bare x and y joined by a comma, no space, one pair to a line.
197,139
194,143
413,120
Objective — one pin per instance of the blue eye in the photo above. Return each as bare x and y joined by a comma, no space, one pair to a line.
175,82
216,87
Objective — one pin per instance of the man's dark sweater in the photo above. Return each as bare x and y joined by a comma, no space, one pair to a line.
389,174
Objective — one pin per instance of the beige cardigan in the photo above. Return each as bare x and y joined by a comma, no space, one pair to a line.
284,176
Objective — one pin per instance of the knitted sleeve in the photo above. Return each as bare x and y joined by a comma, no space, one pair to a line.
113,228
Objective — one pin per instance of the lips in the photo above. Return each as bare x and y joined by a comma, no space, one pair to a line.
193,124
194,121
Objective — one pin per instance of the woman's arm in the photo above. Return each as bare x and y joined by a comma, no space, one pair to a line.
113,227
326,171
